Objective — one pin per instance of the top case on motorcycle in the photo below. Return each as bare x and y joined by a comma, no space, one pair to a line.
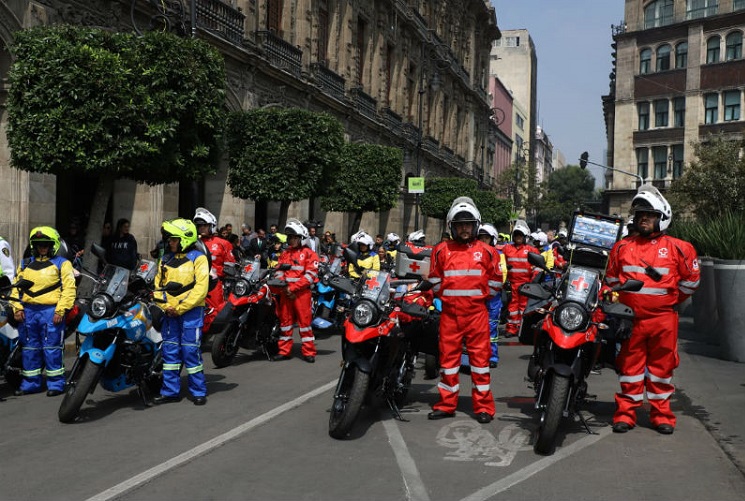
412,262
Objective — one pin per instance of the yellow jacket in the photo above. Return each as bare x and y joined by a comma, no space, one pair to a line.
190,269
55,275
371,262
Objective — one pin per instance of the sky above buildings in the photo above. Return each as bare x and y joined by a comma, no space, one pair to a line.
572,40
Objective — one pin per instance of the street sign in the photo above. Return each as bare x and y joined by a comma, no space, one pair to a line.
416,185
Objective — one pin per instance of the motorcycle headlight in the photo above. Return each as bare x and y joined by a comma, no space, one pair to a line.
102,305
363,314
240,288
571,316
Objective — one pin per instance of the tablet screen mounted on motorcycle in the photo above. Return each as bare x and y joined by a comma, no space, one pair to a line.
595,230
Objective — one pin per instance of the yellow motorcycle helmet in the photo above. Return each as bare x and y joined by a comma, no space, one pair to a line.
183,229
45,234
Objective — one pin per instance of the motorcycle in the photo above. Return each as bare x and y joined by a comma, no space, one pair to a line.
248,319
379,356
567,341
122,343
329,305
10,350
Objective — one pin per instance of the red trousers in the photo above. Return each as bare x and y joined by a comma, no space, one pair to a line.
298,312
473,328
646,362
515,308
212,305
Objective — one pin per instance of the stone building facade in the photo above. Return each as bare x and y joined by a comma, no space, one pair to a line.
679,76
406,73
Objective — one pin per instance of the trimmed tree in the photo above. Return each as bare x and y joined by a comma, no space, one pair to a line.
441,191
369,181
114,105
282,154
566,189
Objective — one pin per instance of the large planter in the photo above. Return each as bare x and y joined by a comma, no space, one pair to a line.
730,290
704,304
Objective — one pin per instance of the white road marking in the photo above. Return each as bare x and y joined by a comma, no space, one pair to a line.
206,447
471,441
415,490
530,470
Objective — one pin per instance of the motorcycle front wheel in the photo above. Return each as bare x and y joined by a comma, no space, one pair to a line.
224,347
551,416
346,406
77,390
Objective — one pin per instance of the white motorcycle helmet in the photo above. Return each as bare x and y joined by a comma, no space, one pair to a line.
463,210
393,238
203,216
295,227
416,237
648,198
362,237
521,227
488,229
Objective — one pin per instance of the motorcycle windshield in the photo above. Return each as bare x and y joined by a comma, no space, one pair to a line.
114,281
377,286
250,269
581,284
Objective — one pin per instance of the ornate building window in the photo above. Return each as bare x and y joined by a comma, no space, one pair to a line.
274,16
679,110
677,160
711,108
712,49
661,112
658,13
642,162
681,55
696,9
659,153
643,112
645,61
733,44
323,32
731,105
663,57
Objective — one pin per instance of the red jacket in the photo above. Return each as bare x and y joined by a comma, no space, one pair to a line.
221,252
304,268
464,274
519,270
676,262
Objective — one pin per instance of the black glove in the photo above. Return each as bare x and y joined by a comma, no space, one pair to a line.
623,329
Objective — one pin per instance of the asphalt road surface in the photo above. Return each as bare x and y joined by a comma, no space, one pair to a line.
263,435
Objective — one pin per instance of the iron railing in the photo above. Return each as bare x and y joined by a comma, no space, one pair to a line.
281,54
328,81
365,103
220,18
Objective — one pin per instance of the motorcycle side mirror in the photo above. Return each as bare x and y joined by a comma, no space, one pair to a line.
350,256
537,260
534,291
630,285
23,285
99,252
4,282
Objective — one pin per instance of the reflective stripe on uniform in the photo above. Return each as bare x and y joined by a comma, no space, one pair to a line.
480,370
637,397
651,291
286,328
462,292
56,372
450,371
631,379
462,273
451,389
656,379
482,388
659,396
434,280
194,370
171,367
285,338
32,373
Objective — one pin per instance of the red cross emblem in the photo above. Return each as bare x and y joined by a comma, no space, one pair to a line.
248,268
414,267
144,267
580,284
372,283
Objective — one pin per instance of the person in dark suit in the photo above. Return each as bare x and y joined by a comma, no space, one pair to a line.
258,247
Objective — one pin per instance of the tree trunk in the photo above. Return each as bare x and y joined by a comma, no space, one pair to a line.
354,223
104,189
284,208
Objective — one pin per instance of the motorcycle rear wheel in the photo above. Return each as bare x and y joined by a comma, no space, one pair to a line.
346,407
224,348
77,391
551,416
431,366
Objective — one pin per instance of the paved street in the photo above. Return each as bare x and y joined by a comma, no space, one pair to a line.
263,435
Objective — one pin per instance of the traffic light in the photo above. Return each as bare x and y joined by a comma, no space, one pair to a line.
583,160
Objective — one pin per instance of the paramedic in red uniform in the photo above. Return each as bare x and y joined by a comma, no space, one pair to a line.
294,303
519,272
670,272
465,274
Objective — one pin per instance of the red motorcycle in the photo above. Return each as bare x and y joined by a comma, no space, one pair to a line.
248,319
379,356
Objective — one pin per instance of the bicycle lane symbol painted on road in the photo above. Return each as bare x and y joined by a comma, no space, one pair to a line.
471,441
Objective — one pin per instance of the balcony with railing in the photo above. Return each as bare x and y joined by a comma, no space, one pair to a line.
222,19
328,81
365,103
431,145
281,54
392,121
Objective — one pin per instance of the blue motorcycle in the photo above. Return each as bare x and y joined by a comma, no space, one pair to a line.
329,305
121,345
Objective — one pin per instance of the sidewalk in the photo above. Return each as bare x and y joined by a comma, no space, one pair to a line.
713,390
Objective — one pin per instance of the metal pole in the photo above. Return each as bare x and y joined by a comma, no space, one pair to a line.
419,136
194,18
